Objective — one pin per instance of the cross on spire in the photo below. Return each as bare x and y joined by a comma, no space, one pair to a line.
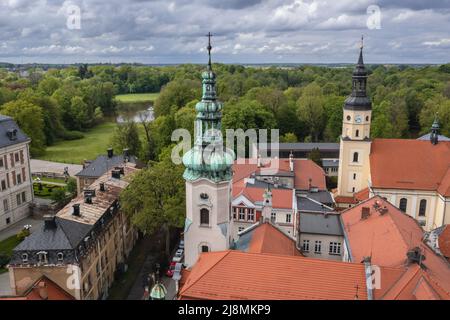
209,47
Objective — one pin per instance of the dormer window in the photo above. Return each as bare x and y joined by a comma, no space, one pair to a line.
42,257
24,257
60,257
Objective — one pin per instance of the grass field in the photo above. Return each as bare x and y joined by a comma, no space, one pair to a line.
95,142
6,248
137,97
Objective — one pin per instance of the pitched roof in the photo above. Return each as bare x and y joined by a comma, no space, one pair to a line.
235,275
410,164
387,238
305,203
305,172
7,124
102,164
266,238
43,289
281,198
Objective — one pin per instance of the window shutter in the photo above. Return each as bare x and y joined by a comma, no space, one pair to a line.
11,155
7,180
23,175
21,158
6,161
14,177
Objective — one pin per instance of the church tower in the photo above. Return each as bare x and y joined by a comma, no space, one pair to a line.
354,166
208,177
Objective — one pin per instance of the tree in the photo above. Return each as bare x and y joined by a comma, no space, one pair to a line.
389,120
126,135
333,110
176,93
155,197
29,118
314,155
71,186
438,105
289,137
311,110
58,195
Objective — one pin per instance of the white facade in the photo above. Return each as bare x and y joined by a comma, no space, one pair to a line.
208,226
16,187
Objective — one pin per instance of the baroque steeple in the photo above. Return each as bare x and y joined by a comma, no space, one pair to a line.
434,136
358,99
208,158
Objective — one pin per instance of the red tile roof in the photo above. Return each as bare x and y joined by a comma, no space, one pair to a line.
281,198
410,164
387,238
267,238
444,241
304,170
234,275
43,289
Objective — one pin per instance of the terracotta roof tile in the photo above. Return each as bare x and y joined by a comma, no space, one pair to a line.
234,275
410,164
388,237
266,238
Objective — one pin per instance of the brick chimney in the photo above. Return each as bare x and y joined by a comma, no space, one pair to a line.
110,152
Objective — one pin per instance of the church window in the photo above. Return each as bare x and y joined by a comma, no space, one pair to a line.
354,176
422,208
355,157
205,248
204,196
357,133
403,204
204,217
367,118
349,118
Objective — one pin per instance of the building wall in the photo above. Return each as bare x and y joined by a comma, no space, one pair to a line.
16,188
325,239
83,182
437,208
94,276
218,205
353,176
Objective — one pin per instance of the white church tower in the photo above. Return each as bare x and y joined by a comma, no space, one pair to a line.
208,177
354,166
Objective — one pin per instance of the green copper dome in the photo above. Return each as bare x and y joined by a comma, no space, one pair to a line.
208,158
158,292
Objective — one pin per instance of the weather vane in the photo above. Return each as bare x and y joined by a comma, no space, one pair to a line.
209,47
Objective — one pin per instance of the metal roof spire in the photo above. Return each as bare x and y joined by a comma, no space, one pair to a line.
360,60
209,47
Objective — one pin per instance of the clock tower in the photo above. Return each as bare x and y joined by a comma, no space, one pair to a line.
354,166
208,177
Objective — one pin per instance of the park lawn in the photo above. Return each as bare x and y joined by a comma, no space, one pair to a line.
50,180
7,245
137,97
94,142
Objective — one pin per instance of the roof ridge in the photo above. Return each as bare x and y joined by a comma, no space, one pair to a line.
398,280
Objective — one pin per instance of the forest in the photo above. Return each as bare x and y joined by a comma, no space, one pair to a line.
304,102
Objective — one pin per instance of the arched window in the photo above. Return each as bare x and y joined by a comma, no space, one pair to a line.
60,256
422,208
357,133
355,157
24,258
204,216
205,248
403,204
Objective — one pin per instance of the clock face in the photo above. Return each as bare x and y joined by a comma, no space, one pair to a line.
358,119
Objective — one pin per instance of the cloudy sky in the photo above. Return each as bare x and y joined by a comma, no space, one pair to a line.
246,31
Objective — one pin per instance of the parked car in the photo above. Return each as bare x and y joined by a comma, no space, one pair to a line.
171,269
178,255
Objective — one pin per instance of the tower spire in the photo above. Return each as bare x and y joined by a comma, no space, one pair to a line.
209,47
361,47
434,137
